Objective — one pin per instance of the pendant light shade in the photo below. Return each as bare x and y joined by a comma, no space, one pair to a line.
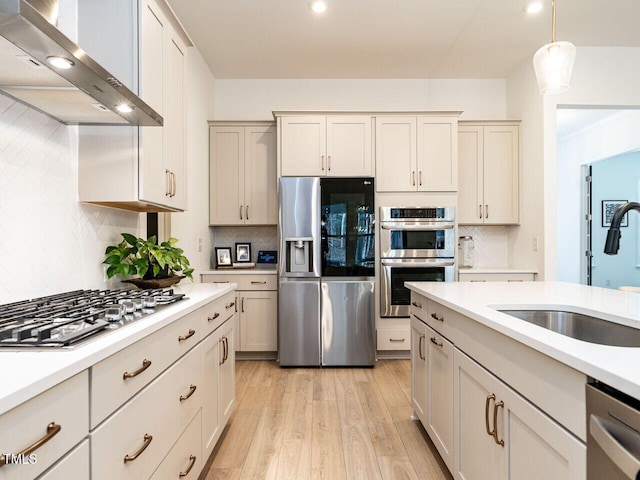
553,63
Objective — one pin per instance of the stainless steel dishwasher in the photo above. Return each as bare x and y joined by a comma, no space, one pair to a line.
613,434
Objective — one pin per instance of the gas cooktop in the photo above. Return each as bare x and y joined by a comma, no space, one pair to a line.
66,319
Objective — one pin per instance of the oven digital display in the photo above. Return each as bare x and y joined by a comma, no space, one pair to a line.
417,239
406,213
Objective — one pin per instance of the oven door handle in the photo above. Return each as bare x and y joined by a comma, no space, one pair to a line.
616,452
421,227
395,262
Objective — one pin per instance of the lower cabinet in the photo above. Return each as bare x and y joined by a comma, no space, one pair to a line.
500,435
74,464
185,458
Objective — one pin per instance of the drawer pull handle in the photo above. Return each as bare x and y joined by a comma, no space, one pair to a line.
436,317
486,413
397,339
147,442
229,305
191,333
192,462
52,431
435,341
495,422
416,304
472,281
420,342
192,390
226,281
514,280
255,282
215,315
145,364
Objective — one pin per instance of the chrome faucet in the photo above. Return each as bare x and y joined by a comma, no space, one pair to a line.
612,244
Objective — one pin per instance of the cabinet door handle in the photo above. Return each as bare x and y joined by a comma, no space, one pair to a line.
495,422
173,184
52,431
167,188
413,178
322,162
479,211
226,350
191,333
223,351
486,211
242,305
145,364
486,414
246,212
420,177
255,282
192,462
241,213
435,341
329,162
416,304
436,317
229,305
215,315
397,339
420,352
147,442
192,390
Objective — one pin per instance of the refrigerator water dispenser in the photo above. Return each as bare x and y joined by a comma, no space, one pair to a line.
299,255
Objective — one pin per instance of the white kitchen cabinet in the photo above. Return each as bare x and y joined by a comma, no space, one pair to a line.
243,174
227,373
419,373
489,158
416,153
137,168
185,458
500,435
393,338
74,464
257,307
325,145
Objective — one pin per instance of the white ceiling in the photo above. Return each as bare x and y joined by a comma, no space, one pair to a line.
393,38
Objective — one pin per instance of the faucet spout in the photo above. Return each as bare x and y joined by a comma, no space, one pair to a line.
612,244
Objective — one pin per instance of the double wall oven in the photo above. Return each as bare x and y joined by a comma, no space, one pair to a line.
417,244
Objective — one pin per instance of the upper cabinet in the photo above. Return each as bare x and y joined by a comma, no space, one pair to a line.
137,168
417,153
243,185
489,158
325,145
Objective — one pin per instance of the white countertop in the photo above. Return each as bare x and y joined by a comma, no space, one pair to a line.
27,373
484,270
258,270
615,366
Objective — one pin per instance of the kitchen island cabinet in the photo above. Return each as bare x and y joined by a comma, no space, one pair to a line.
151,423
243,169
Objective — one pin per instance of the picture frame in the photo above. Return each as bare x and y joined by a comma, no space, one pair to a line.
223,257
608,209
243,252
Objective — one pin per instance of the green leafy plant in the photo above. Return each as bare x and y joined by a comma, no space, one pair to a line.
137,256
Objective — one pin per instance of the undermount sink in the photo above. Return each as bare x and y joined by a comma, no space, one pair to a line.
581,327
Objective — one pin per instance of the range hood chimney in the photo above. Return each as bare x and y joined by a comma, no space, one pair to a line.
83,94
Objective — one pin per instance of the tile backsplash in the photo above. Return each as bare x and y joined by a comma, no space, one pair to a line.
491,244
49,241
261,238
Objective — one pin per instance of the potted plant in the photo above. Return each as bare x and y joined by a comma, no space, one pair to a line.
157,265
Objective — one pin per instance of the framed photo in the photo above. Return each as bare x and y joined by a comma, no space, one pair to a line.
223,257
243,252
608,209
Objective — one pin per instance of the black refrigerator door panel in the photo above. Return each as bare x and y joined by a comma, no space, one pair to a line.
347,227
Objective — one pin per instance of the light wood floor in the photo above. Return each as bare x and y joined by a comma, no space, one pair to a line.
332,424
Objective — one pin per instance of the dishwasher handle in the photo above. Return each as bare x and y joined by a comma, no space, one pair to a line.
619,455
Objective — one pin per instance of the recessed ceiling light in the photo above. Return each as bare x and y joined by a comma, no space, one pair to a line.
534,7
124,108
318,6
60,62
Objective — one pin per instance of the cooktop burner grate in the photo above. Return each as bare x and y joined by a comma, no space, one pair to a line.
68,318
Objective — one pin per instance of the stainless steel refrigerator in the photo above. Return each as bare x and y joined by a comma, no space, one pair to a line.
326,275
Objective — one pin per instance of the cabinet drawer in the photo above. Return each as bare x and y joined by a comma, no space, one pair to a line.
217,312
66,405
418,306
74,465
142,362
155,417
394,338
245,282
495,277
185,458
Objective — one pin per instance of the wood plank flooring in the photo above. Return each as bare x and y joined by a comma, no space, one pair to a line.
324,424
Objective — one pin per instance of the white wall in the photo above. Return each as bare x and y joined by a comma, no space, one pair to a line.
192,225
256,99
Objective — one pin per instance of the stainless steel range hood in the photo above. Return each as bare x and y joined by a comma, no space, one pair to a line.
85,94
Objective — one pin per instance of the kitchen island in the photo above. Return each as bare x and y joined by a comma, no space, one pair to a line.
107,399
502,396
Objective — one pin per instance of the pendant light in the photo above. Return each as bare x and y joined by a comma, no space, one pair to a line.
553,62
